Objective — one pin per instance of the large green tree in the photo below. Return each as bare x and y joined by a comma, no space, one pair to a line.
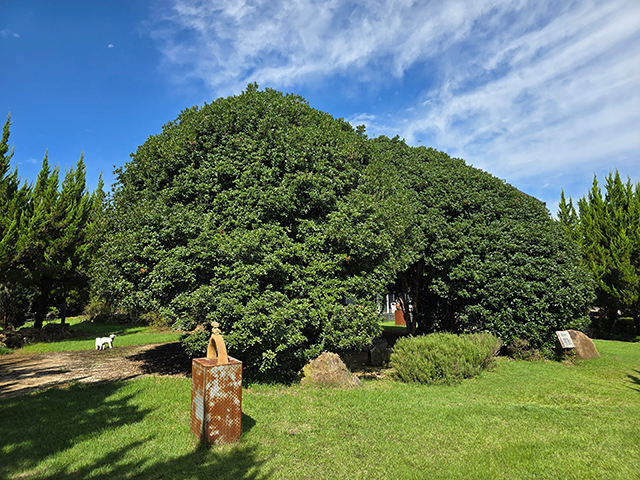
227,216
283,223
52,244
607,228
471,253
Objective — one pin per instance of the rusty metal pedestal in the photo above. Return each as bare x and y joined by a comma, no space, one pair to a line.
216,400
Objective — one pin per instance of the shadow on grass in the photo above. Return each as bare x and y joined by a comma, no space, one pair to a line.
238,462
247,423
40,425
165,359
37,427
635,380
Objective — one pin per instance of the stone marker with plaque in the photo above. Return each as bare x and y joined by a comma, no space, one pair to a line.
580,345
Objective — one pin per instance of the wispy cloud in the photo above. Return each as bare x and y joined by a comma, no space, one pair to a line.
537,92
8,33
284,42
557,96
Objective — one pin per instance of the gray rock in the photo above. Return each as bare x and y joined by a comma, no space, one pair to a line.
379,352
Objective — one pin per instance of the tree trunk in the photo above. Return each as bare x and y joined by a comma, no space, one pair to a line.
63,310
42,308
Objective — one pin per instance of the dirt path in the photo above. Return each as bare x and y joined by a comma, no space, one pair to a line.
24,373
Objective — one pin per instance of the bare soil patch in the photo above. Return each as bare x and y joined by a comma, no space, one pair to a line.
24,373
21,373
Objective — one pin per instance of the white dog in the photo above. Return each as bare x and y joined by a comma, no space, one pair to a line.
101,342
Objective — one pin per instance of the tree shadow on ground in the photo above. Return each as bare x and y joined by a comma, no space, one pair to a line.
37,427
13,374
40,425
635,380
238,462
165,359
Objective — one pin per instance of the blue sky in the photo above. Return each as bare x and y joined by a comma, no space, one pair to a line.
543,94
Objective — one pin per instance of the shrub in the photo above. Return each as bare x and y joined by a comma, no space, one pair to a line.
486,342
519,349
154,319
443,358
97,307
195,343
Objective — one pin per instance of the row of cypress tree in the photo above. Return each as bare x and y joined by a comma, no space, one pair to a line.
607,228
45,237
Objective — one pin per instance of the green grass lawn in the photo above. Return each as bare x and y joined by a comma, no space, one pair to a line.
519,421
126,335
392,327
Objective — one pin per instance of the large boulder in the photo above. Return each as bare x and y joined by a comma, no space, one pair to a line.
329,369
585,348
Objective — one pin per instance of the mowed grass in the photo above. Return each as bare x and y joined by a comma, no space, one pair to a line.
540,420
126,335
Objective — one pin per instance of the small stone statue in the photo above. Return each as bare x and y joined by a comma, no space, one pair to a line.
217,348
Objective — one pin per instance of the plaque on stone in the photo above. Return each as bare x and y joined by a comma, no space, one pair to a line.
565,339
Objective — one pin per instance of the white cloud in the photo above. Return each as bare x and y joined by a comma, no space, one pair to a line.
537,92
284,42
6,33
568,102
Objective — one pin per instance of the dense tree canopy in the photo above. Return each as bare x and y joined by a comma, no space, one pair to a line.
477,254
282,224
226,216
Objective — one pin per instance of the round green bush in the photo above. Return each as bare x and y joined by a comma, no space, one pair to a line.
443,358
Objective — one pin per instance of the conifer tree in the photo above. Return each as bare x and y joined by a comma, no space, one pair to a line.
8,191
69,248
608,230
45,235
568,217
13,199
35,239
52,245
